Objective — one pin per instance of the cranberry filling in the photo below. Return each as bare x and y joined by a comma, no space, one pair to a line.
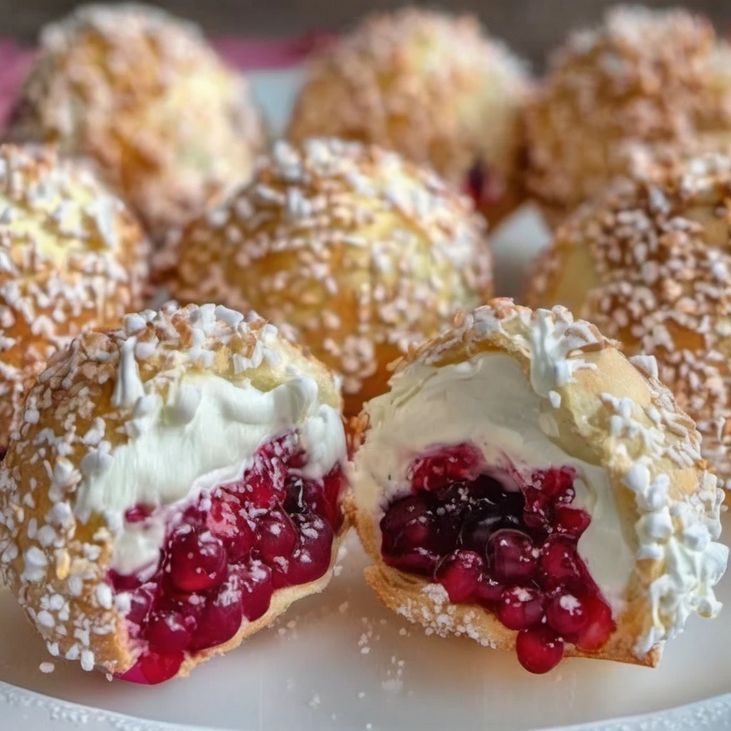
508,544
480,184
224,555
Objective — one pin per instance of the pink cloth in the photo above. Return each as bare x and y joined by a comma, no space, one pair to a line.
246,54
14,64
251,53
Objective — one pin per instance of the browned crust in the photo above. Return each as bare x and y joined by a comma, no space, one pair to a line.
648,262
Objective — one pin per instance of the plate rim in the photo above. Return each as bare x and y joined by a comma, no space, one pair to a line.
712,713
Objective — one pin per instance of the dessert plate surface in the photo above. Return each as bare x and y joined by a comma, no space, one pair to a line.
342,661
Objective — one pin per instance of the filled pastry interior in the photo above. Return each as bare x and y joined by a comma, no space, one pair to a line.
472,493
217,519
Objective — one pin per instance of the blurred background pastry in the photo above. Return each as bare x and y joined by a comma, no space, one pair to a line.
360,253
431,86
71,257
613,96
142,95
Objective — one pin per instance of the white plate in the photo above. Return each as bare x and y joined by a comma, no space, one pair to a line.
341,661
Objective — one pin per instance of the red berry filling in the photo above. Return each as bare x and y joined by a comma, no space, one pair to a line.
481,184
224,555
507,543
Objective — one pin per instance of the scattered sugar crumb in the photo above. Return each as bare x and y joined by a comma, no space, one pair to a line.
365,650
392,685
46,667
361,695
314,701
289,629
394,682
343,607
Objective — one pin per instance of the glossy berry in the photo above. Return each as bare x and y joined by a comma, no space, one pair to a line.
570,521
277,536
214,572
510,548
197,561
459,573
520,607
437,469
326,498
420,561
154,667
476,533
140,602
566,614
311,558
511,555
559,563
556,484
539,649
256,585
226,520
170,632
221,617
488,591
600,624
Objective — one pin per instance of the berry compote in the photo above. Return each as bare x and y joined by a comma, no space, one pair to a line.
480,185
225,554
505,541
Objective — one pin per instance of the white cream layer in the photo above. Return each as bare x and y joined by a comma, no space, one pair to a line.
204,435
487,401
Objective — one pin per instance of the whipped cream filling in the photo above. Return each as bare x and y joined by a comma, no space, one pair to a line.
205,433
488,401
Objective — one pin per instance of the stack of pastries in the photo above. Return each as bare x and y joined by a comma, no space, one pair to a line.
176,477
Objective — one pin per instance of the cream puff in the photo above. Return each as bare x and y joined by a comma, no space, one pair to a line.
71,257
174,486
524,484
614,96
359,252
649,263
143,96
430,86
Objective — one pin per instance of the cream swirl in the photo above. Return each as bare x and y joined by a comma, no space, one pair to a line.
205,433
